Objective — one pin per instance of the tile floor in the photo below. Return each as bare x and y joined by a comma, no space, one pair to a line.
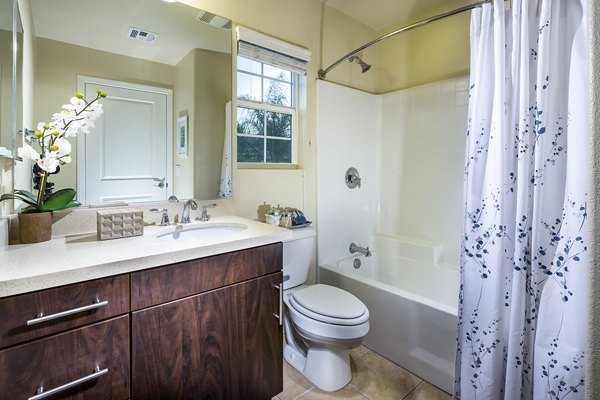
373,378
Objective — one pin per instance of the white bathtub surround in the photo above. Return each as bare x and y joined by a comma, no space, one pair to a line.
412,303
349,126
409,149
522,320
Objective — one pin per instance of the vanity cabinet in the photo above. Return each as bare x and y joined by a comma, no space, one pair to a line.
217,335
208,328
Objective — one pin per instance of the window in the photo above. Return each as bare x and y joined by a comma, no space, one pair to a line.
266,113
269,70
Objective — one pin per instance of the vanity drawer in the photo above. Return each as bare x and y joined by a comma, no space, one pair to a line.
63,307
171,282
98,352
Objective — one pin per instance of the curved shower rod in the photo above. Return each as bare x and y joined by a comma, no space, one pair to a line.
323,72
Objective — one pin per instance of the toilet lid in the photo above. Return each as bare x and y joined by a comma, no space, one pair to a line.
329,304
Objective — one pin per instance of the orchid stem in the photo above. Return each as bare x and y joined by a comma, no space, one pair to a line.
42,189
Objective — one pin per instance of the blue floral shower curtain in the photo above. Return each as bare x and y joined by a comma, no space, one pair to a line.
522,312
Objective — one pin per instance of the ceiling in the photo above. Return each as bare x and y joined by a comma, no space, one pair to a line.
104,25
378,14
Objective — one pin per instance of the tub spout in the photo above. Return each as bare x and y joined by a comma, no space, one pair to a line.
354,248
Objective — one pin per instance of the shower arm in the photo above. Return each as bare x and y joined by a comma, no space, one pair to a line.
323,72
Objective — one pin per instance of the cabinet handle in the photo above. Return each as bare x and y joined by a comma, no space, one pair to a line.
279,316
41,394
43,318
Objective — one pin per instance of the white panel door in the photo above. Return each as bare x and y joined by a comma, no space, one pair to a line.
128,155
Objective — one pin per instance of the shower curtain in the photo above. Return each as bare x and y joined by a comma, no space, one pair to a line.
524,262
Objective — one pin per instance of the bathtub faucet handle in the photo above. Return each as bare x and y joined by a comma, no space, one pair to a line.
354,248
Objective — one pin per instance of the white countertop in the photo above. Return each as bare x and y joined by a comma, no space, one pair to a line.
76,258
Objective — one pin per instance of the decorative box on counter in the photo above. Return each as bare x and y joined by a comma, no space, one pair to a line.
120,223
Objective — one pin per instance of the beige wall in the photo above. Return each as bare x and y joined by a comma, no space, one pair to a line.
213,92
430,53
183,99
202,89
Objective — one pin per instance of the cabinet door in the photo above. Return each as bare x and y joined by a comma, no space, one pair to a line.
222,344
65,307
65,358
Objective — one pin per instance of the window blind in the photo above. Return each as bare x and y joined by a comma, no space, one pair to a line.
272,51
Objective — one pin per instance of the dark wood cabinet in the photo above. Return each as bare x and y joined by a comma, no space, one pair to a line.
61,359
201,329
224,343
64,307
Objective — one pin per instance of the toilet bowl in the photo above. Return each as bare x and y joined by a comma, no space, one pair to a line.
322,323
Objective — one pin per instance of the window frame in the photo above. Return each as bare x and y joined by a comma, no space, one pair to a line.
291,110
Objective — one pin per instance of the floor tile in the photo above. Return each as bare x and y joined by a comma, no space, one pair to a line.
358,352
347,392
426,391
294,383
377,378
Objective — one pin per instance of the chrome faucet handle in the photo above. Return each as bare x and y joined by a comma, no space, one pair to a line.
205,217
185,214
164,217
173,199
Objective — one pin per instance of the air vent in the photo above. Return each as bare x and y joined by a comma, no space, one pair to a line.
141,35
213,20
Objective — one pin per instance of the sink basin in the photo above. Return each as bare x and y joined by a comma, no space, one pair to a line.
202,231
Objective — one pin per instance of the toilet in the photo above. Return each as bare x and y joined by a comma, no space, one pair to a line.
322,323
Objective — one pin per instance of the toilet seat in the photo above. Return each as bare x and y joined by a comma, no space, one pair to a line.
330,305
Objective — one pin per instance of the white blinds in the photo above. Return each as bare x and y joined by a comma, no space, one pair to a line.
272,51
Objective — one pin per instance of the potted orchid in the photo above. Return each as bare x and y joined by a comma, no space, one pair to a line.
54,150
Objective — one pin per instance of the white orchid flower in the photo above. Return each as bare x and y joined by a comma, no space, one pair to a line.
28,153
49,163
64,147
65,159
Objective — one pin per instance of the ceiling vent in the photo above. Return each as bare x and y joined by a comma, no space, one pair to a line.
141,35
213,20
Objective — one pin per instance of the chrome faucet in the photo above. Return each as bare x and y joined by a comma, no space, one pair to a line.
205,217
354,248
164,215
185,214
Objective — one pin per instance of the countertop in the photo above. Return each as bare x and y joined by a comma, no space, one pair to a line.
77,258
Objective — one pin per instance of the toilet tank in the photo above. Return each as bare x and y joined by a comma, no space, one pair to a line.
297,253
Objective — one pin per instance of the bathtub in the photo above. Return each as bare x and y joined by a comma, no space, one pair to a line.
412,299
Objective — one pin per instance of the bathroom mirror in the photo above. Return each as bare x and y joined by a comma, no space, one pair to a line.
167,46
6,73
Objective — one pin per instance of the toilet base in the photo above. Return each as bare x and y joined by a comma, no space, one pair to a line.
328,368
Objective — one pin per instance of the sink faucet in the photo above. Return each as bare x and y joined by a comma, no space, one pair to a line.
205,217
164,215
185,214
354,248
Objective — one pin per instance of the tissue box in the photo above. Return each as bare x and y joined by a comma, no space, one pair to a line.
120,223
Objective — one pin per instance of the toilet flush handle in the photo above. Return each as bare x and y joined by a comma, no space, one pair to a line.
279,316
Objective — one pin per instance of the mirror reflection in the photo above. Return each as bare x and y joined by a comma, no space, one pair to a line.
167,70
6,75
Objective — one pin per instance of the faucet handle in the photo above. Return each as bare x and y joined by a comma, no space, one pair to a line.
205,217
164,217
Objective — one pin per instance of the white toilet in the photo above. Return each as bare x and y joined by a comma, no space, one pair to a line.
322,323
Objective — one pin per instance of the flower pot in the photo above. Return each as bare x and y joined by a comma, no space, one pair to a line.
35,227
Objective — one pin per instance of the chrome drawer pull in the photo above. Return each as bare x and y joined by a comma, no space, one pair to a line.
43,318
41,394
280,316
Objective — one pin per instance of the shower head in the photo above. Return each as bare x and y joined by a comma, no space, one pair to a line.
363,65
